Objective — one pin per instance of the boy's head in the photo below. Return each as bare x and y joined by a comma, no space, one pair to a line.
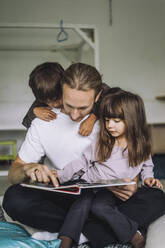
81,85
45,82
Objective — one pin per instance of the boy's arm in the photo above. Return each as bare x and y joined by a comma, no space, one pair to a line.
86,126
95,110
30,116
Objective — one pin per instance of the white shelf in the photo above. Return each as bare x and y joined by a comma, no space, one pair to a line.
160,97
47,37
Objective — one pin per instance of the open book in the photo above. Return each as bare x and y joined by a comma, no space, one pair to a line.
75,187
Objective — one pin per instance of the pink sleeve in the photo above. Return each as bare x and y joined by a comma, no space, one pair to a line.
75,167
147,169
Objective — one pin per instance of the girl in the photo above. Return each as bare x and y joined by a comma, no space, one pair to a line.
123,150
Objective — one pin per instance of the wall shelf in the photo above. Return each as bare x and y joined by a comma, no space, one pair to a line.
160,97
25,45
44,37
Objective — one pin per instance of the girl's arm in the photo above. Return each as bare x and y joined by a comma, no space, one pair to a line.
75,169
147,170
71,171
147,175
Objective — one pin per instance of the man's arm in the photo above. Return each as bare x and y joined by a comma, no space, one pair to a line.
16,172
21,171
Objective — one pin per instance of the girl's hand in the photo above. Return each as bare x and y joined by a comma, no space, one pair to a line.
153,182
44,113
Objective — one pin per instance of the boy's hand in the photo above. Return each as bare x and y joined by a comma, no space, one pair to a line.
86,126
44,113
153,182
58,104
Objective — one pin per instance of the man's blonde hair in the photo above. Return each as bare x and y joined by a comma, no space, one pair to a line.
82,77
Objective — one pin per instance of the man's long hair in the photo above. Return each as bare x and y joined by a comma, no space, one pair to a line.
83,77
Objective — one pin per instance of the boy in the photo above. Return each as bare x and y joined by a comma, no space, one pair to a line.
44,81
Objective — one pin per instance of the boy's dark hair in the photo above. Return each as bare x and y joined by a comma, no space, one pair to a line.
83,77
45,81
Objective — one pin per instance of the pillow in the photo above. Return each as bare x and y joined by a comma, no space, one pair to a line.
13,235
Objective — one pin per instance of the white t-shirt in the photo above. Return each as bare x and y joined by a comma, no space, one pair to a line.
58,139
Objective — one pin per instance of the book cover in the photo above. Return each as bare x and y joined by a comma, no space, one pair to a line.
75,187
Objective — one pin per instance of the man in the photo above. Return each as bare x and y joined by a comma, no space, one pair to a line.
60,141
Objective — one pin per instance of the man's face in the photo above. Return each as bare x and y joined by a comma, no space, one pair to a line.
77,103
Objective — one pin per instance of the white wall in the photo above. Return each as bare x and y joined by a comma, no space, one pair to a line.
15,94
132,50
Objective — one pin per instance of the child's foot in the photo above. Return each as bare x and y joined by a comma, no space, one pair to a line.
138,240
66,242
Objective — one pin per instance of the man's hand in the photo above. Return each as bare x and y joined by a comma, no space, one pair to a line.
44,113
20,171
40,173
126,191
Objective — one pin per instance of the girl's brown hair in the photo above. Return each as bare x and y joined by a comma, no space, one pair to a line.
130,108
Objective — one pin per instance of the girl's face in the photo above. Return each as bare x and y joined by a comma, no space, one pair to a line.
115,126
